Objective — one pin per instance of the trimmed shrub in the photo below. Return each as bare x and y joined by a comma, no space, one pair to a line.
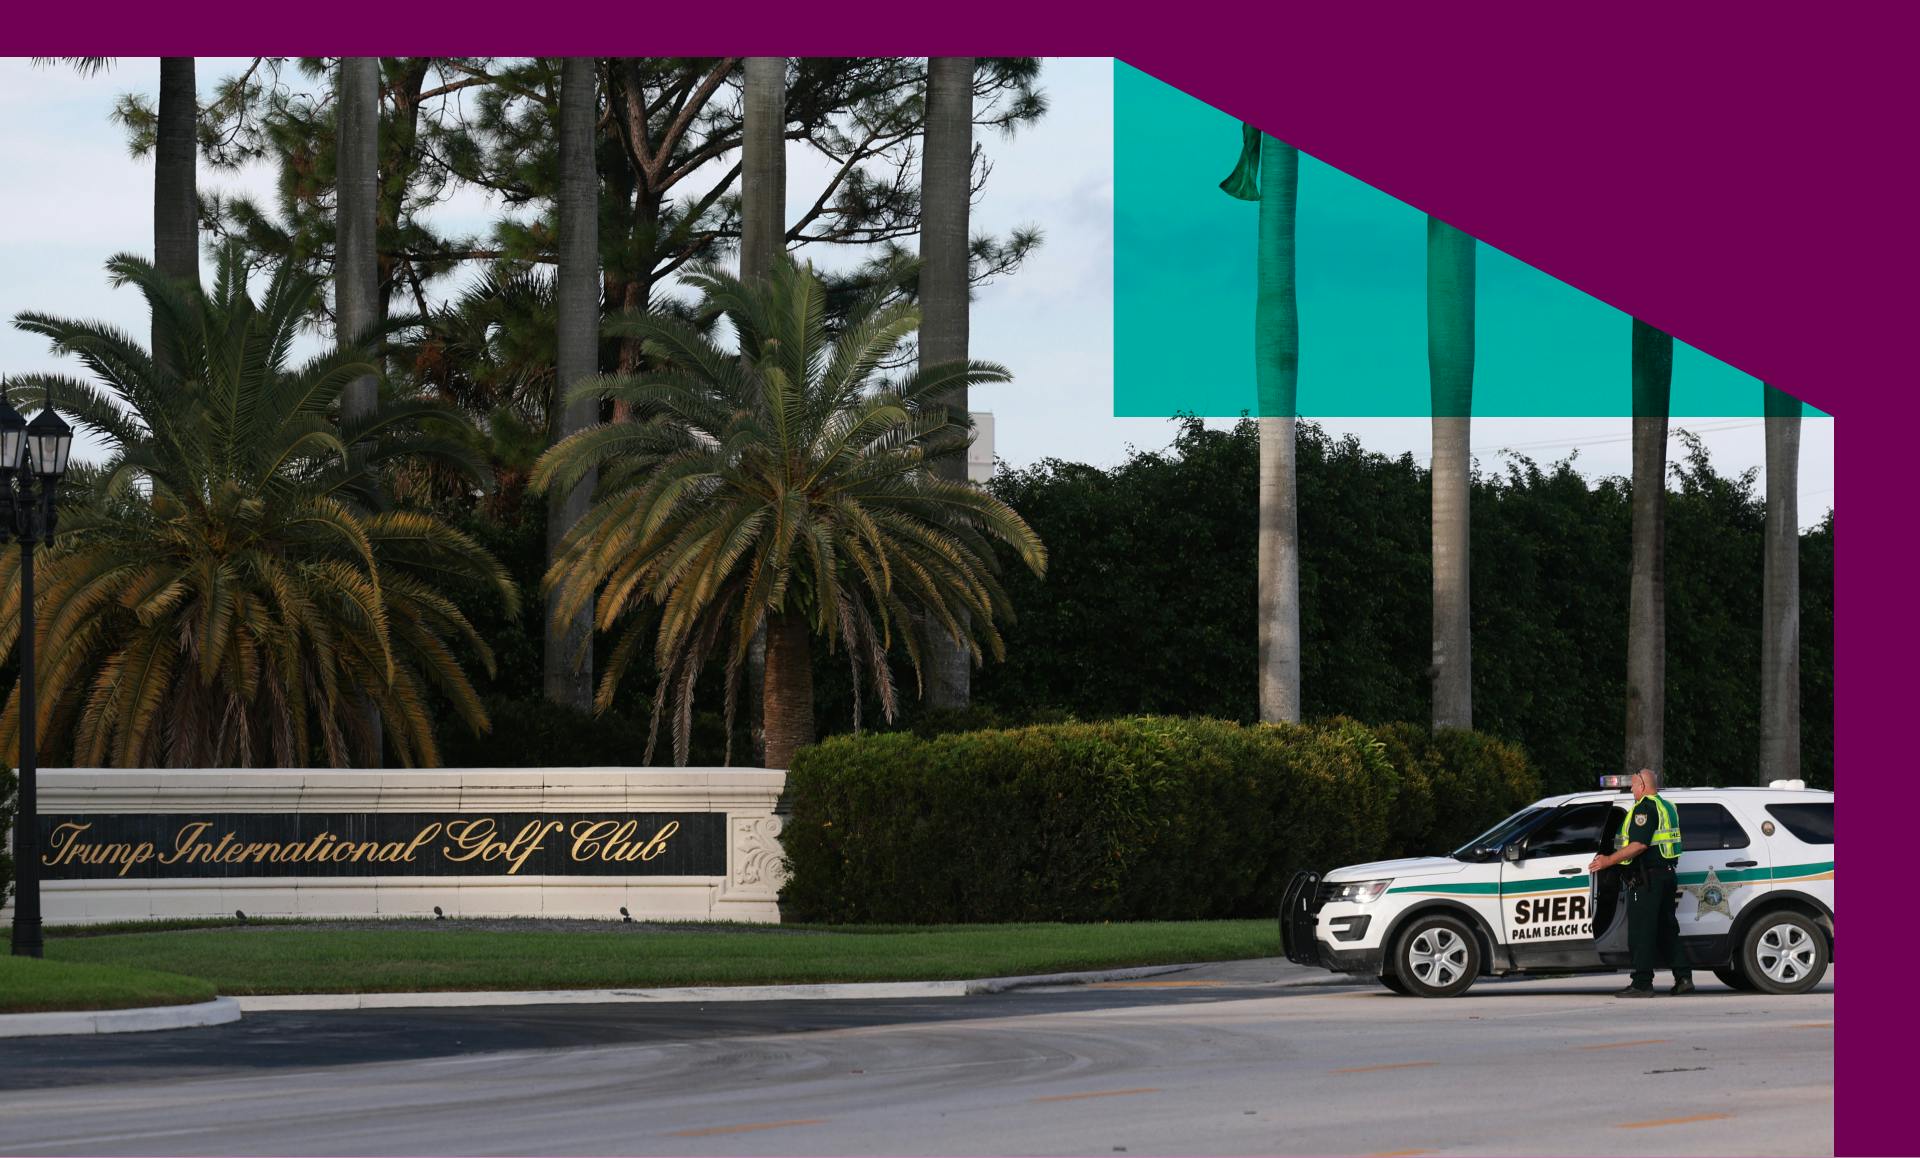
1413,763
1478,780
1143,818
1453,786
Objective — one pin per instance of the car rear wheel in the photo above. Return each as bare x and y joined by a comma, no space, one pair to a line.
1783,952
1436,956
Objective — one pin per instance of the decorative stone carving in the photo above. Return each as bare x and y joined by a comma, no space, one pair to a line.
758,862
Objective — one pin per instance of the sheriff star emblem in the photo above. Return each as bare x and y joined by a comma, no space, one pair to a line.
1712,895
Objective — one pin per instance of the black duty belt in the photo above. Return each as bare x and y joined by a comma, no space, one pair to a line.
1643,871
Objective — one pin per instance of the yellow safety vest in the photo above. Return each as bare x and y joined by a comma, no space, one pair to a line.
1666,837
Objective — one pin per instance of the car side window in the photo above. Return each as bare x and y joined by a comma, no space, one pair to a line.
1810,823
1708,827
1578,829
1610,831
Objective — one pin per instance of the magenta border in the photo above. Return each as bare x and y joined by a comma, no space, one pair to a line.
1736,174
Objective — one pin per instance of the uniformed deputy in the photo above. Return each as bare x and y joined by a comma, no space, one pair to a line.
1648,846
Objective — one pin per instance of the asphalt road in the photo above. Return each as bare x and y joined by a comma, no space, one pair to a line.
1222,1060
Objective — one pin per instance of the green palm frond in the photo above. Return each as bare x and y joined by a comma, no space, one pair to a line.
781,478
234,589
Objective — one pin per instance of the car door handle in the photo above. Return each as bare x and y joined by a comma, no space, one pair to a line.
1743,864
1571,872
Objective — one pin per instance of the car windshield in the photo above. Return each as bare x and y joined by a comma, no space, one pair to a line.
1487,844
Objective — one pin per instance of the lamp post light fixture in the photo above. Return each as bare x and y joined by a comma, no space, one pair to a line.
33,459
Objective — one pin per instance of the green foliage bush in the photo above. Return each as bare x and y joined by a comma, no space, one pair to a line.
1144,818
1150,601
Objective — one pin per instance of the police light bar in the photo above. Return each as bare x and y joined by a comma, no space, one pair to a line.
1791,785
1616,780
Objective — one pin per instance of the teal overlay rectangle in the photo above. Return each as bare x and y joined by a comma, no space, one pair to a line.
1183,287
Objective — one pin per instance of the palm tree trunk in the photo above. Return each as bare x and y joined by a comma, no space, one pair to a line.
1276,376
788,688
946,191
1450,316
569,646
1647,599
763,229
356,293
1780,634
763,166
176,195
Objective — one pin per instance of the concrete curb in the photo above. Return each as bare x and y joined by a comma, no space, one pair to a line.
219,1011
310,1002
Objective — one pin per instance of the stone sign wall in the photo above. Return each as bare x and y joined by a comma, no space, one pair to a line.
665,844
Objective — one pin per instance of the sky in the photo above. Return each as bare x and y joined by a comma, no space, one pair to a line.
74,197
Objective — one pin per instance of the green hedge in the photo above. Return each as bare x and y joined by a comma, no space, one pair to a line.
1147,818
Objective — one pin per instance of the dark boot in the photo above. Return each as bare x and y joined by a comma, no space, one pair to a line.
1683,985
1634,991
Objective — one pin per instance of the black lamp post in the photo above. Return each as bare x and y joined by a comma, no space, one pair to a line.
33,458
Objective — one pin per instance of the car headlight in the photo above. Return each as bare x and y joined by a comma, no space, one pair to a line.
1359,892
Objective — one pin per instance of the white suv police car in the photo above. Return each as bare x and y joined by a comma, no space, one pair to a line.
1755,878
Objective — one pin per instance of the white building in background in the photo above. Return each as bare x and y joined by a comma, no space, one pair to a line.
980,454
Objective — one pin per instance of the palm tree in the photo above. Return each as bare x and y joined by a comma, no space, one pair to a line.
1450,315
1780,633
176,194
763,228
1269,172
569,642
780,485
232,585
1647,593
763,166
356,294
946,192
491,352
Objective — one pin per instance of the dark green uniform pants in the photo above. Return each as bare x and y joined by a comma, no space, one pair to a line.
1652,930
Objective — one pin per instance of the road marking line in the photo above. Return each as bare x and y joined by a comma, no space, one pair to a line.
1156,985
1812,1025
1671,1121
1397,1153
1625,1044
710,1131
1097,1094
1387,1066
71,1142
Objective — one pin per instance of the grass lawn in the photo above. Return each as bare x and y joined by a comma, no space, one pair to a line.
414,956
29,985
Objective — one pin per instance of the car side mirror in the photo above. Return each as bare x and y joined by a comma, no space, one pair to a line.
1511,853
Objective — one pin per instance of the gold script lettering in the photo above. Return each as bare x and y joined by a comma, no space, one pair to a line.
185,841
474,839
612,840
479,838
63,844
69,848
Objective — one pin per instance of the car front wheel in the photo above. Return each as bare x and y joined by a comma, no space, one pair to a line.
1783,952
1436,956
